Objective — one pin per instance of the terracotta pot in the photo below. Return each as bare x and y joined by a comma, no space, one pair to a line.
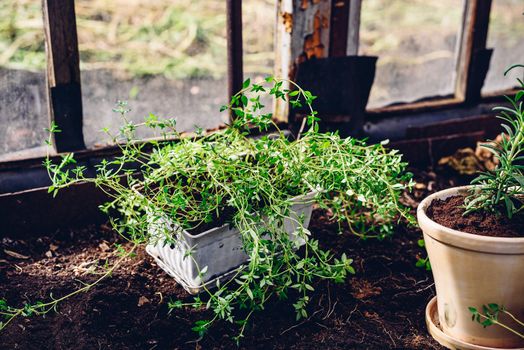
473,270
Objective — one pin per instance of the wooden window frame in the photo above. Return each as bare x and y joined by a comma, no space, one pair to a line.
63,82
472,61
63,71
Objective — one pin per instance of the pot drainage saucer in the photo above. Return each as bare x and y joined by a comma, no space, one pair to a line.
446,340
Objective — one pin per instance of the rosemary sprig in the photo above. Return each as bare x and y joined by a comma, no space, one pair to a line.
502,189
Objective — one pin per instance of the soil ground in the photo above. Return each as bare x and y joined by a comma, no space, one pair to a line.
380,307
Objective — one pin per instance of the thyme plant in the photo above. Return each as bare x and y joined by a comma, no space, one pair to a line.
503,188
248,182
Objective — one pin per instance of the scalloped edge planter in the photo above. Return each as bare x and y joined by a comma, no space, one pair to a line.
473,270
220,248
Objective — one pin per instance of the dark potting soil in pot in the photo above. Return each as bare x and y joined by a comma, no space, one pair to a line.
449,212
225,217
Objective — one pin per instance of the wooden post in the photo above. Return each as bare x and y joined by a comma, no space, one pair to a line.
473,57
353,37
63,74
283,54
345,28
339,28
235,73
303,32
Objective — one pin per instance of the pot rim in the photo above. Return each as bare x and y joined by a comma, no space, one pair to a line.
469,241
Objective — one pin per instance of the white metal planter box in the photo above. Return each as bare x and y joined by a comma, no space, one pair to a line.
220,248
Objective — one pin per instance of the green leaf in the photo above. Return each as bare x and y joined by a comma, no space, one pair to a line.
487,322
509,206
244,100
249,293
175,305
520,179
309,287
494,307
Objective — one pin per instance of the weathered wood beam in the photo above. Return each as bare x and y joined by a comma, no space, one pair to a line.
63,74
339,28
283,61
353,38
345,28
302,32
473,57
235,72
311,30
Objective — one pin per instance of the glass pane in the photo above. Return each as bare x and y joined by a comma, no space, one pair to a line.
164,57
259,20
506,37
23,109
415,41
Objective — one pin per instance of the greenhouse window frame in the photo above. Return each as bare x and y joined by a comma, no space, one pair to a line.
64,83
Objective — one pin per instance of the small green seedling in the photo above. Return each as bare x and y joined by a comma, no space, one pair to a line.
490,316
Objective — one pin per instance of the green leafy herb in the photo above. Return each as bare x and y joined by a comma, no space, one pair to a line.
503,188
249,182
